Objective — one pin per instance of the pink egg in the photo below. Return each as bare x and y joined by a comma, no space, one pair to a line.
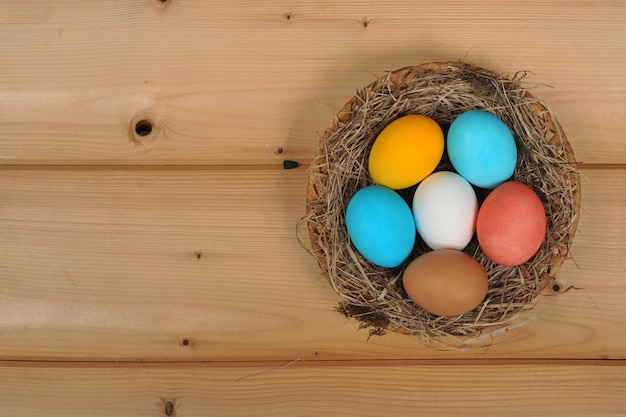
511,224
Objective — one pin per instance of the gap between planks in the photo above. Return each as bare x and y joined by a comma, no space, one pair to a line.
221,167
308,363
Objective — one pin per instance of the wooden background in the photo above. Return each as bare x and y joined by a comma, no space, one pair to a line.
161,275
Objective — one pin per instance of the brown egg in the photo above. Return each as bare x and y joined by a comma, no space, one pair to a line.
446,282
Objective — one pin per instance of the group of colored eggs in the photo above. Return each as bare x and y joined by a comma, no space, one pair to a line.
510,224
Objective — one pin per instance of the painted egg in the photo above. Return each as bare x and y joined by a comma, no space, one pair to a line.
380,225
482,148
445,208
406,151
446,282
511,224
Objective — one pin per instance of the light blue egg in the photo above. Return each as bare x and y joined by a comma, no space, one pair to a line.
481,148
381,226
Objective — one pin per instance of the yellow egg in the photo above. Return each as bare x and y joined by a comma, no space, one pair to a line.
406,151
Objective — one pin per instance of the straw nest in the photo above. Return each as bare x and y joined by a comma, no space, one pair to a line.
374,295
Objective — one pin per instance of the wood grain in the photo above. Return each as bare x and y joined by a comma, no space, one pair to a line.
160,274
126,265
253,82
302,389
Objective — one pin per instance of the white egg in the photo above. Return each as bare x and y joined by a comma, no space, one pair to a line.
445,209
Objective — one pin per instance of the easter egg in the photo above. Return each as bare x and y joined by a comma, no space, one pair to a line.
445,208
380,225
445,282
511,224
481,148
406,151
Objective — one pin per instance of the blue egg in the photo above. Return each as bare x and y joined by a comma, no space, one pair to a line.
381,226
481,148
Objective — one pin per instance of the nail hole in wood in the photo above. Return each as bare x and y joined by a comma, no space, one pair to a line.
198,254
280,151
556,287
169,408
185,342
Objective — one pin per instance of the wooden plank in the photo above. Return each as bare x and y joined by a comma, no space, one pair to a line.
303,389
128,264
252,83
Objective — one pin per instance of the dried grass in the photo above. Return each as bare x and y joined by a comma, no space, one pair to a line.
374,295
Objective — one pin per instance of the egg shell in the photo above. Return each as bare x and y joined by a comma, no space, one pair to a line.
445,208
380,225
446,282
406,151
511,224
481,148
